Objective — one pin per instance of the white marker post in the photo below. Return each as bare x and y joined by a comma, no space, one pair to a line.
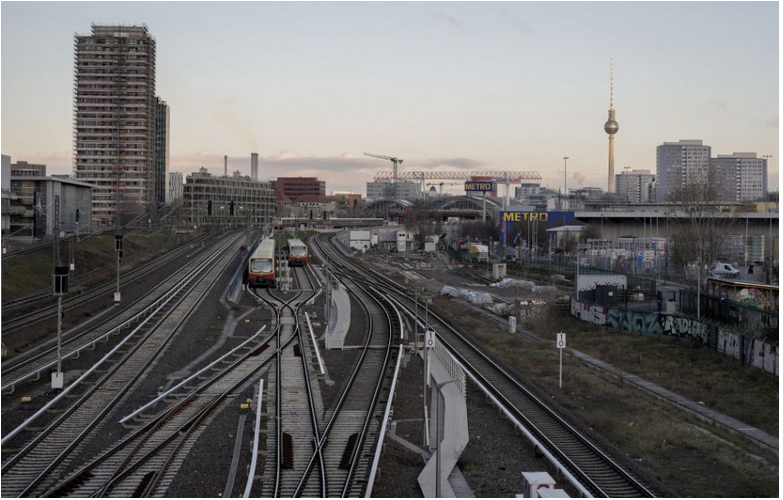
561,343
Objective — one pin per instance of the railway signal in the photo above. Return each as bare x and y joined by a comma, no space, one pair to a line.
118,248
561,344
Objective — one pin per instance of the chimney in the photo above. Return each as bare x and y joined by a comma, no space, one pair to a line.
253,166
225,165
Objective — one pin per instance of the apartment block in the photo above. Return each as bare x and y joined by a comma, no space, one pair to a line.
175,187
633,186
115,118
740,176
162,151
406,190
680,164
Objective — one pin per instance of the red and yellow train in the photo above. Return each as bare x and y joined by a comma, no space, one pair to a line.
297,253
261,265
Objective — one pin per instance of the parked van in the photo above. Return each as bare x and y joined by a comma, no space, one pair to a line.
723,270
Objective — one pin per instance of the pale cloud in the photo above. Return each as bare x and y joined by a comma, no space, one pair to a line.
719,105
517,22
774,123
450,21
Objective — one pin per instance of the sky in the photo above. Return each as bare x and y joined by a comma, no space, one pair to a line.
445,86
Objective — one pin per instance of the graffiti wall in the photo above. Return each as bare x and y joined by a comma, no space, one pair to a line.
758,353
590,313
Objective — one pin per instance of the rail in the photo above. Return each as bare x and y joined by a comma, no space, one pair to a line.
252,472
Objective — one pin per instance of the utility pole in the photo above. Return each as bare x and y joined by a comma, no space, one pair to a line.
565,175
60,287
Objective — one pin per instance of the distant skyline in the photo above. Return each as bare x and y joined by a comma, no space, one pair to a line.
492,86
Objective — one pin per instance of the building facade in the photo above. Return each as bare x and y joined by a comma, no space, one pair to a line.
24,169
633,186
175,187
526,190
384,190
36,198
162,152
211,200
681,164
740,177
115,116
294,188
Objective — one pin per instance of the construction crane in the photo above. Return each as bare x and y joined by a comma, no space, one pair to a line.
396,162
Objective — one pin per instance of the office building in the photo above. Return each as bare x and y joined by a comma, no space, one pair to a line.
739,177
162,152
295,188
115,117
633,186
236,200
383,189
526,190
680,165
24,169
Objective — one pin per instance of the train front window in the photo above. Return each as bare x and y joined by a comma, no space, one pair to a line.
260,266
298,252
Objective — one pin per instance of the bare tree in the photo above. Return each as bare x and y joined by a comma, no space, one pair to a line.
590,232
701,226
422,219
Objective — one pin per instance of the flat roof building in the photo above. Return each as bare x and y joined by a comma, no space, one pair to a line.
680,164
633,186
24,169
211,200
740,177
36,197
294,188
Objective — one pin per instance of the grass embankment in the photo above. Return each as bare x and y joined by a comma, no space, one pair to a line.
719,381
665,444
33,273
281,238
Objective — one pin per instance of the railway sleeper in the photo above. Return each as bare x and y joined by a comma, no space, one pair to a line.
288,451
345,461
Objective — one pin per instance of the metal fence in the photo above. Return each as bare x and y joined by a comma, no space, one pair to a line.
752,321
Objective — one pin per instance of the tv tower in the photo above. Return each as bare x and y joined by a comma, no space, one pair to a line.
611,128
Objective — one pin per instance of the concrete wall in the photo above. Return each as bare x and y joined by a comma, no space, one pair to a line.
759,353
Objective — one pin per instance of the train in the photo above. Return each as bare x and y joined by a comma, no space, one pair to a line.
261,265
297,253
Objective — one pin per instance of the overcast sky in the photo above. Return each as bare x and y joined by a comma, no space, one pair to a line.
494,86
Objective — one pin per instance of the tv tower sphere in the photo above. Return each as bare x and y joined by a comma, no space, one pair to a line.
611,127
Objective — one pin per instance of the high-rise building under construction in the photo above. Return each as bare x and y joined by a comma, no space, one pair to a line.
114,124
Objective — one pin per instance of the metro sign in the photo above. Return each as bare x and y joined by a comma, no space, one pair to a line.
479,186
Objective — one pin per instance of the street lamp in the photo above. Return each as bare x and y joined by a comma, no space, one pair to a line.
768,260
565,175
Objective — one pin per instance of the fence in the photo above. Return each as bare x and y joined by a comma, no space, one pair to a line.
751,321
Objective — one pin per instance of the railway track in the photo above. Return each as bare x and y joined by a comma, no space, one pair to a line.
82,409
351,428
43,357
595,471
72,303
296,404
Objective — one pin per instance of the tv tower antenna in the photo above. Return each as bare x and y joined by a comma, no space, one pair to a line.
611,127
